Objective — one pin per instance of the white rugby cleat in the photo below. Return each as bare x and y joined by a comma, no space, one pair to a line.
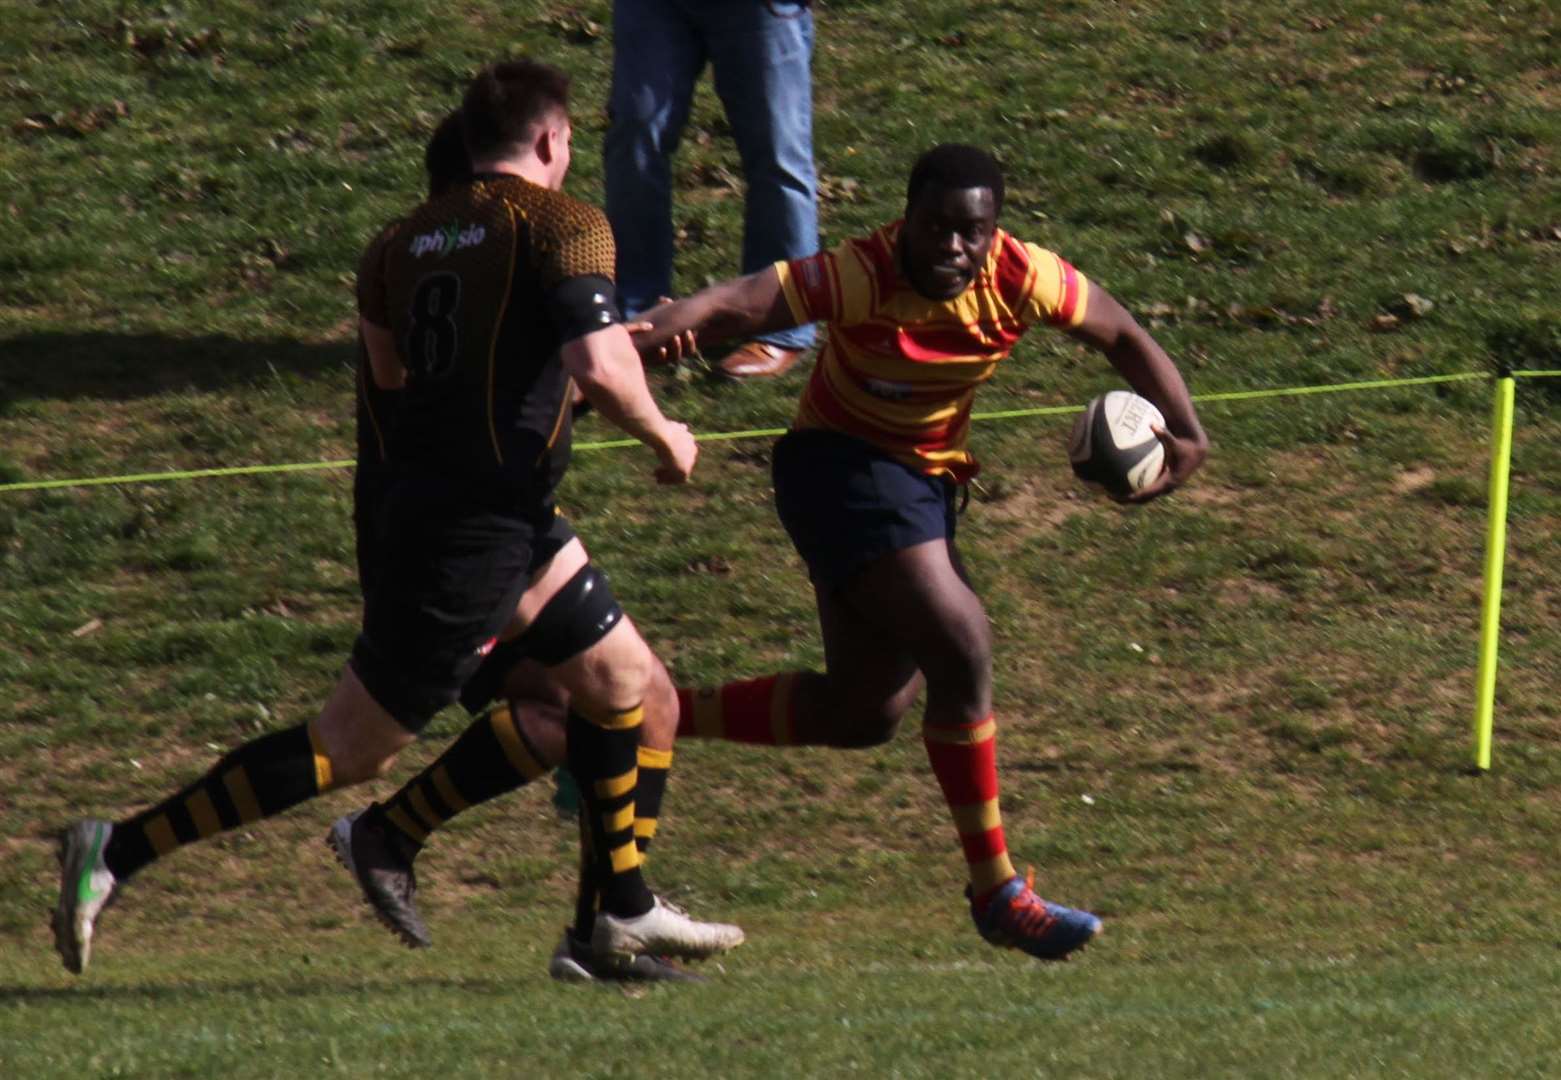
664,930
573,961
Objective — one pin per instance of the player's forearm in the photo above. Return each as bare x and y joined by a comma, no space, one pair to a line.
741,308
1152,374
713,316
612,380
1140,360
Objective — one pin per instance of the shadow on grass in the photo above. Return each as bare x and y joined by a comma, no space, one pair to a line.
249,989
120,367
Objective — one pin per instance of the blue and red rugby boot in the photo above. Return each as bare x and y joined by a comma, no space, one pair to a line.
1014,917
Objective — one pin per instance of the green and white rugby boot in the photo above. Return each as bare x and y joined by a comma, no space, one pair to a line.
87,886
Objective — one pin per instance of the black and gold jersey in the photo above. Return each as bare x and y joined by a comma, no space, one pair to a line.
376,406
480,287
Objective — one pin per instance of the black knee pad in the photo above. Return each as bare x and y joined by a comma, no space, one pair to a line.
578,616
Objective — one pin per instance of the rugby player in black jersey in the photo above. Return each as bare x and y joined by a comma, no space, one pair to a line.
487,304
521,737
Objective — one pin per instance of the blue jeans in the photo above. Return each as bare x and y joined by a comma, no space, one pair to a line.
760,53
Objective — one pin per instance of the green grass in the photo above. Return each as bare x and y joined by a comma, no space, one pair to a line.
1235,723
1426,1015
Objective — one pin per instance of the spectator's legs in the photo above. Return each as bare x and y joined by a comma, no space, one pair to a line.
761,54
657,56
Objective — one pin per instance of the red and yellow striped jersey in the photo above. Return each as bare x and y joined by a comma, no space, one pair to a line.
900,371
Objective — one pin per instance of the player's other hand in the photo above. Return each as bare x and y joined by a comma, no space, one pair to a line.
1183,456
676,454
678,348
660,348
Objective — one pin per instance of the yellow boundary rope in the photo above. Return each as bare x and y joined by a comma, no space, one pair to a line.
724,436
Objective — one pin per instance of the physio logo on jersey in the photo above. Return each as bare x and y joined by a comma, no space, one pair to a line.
451,237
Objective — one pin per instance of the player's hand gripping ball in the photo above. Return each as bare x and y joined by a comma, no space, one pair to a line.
1112,444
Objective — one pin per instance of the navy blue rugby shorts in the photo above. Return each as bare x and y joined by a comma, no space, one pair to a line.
846,503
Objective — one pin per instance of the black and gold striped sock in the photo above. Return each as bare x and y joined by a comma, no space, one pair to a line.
587,896
491,757
602,756
653,768
261,778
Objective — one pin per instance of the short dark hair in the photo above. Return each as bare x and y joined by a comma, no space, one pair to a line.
506,101
955,165
444,159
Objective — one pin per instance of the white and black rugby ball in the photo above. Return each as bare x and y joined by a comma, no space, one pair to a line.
1112,445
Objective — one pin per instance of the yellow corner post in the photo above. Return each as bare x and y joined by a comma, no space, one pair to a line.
1495,554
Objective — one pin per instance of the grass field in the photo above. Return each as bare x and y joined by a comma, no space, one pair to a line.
1236,723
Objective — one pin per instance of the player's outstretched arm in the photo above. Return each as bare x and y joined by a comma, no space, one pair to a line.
608,372
740,308
1107,326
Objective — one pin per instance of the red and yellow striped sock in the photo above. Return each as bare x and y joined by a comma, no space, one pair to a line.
755,711
964,759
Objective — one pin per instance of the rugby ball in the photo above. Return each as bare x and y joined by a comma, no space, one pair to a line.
1112,445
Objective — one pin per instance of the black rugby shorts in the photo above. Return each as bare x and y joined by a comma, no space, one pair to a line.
446,574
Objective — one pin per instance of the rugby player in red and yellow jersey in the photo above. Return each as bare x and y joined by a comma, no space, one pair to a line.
919,315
